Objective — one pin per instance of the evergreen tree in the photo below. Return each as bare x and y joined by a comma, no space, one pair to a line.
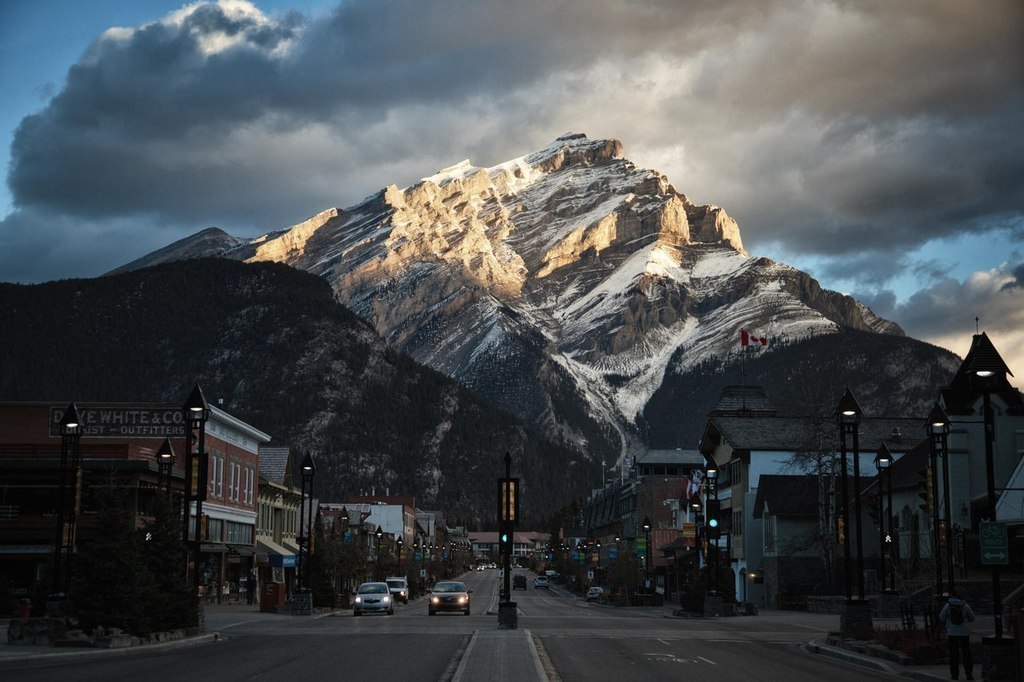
174,605
113,586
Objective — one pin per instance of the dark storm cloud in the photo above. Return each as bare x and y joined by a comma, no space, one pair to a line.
822,127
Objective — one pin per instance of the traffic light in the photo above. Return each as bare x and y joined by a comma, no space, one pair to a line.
713,521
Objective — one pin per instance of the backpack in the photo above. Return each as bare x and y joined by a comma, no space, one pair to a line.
956,614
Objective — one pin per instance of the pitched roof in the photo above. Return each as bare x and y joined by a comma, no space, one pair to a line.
962,393
743,400
795,434
275,465
677,456
793,496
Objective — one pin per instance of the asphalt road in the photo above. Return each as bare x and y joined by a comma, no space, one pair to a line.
577,641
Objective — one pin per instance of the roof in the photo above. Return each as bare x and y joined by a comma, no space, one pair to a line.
962,393
274,465
794,434
793,496
677,456
743,400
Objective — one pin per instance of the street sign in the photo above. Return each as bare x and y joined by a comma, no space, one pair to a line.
994,546
613,552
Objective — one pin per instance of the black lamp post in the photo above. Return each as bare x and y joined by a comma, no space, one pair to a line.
883,463
68,477
380,539
938,431
398,550
165,464
988,372
849,414
647,553
197,411
711,474
305,516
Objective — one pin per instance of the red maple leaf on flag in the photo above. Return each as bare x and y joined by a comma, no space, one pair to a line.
747,338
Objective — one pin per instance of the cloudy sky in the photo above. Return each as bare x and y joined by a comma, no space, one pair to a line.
878,145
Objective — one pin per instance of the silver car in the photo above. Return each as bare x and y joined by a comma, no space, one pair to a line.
373,597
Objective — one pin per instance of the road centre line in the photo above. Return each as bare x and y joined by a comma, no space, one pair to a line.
707,660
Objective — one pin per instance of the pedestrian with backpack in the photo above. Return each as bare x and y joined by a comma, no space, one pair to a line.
956,615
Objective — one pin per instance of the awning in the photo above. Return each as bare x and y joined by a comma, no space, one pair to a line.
290,546
240,550
274,555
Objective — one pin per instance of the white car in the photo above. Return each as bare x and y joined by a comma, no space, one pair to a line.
541,581
399,588
373,597
595,594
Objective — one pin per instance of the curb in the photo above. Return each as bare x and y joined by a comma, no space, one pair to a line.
815,647
28,660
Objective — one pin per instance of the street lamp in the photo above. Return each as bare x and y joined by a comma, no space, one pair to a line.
68,477
398,544
988,372
305,516
856,615
197,411
849,413
380,537
647,553
165,463
883,463
938,431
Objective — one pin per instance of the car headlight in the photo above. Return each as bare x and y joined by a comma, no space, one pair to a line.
359,600
463,600
435,600
386,599
402,593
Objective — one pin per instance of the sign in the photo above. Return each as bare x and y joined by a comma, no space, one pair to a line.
689,534
994,546
124,422
613,552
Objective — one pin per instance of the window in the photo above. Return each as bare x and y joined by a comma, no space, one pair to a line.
769,535
735,472
737,522
239,533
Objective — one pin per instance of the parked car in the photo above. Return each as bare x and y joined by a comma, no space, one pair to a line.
449,595
373,597
541,581
595,594
399,588
518,582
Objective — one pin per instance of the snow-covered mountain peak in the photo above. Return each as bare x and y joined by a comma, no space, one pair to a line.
564,284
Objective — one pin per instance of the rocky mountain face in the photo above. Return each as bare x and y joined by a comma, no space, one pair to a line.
285,356
568,286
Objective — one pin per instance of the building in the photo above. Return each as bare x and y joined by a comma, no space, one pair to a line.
118,450
277,520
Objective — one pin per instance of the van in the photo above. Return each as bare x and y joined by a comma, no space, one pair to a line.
399,588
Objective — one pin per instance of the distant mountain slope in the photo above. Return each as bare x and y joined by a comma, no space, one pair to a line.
565,286
284,355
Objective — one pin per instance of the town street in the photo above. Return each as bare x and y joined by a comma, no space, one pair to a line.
574,641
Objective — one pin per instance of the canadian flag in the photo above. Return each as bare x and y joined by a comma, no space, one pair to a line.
747,338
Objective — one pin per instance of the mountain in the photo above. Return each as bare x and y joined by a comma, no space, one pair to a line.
568,286
285,356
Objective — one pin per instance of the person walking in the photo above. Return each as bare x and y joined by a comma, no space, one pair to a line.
956,615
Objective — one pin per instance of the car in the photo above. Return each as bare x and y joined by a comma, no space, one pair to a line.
518,581
449,595
399,588
595,594
373,597
541,581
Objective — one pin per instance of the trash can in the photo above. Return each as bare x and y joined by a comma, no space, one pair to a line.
272,597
